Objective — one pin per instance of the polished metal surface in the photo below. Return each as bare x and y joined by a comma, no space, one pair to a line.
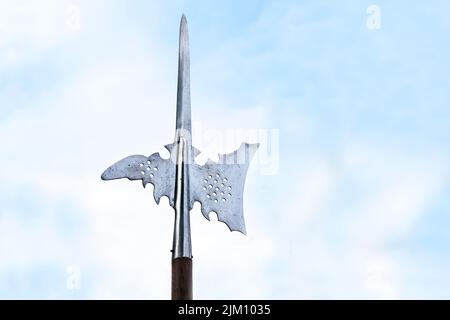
217,186
182,230
183,122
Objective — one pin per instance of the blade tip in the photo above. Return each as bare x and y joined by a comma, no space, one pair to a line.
105,175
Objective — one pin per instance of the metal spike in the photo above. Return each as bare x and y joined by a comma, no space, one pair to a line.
183,122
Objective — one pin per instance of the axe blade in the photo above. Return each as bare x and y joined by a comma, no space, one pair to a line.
219,187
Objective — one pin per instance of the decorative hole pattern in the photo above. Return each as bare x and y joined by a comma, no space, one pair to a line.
147,168
216,188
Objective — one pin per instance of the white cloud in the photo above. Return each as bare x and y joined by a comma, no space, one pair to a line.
29,28
347,209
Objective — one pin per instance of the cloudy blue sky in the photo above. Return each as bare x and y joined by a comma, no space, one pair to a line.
347,198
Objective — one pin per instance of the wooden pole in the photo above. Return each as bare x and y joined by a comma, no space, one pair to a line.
182,278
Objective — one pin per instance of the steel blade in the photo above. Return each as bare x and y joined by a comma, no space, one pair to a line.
183,122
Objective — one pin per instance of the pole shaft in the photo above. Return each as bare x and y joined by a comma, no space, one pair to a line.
182,278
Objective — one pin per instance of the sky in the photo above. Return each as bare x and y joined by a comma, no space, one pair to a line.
348,196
